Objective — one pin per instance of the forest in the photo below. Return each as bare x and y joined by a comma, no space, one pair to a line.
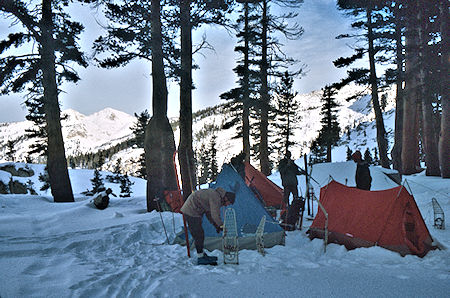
407,39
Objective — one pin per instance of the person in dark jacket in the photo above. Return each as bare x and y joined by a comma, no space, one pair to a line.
238,163
362,176
205,202
289,171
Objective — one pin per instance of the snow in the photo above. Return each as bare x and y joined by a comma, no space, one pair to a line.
74,250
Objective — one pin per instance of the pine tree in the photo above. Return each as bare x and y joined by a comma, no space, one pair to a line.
318,152
243,96
262,60
125,186
43,177
139,134
40,72
116,178
286,111
11,150
35,107
203,165
97,182
376,160
139,31
368,156
368,15
138,128
30,187
349,154
192,14
329,133
271,59
444,139
213,166
422,72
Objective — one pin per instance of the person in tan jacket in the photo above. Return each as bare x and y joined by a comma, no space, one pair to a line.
208,202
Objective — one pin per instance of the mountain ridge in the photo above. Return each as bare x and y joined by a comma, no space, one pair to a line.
86,134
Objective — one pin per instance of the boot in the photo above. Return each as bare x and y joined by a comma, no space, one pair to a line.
211,258
205,261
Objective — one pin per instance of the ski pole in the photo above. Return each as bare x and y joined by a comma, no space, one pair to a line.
162,221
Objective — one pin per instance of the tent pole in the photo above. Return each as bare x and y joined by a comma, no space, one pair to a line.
307,183
325,236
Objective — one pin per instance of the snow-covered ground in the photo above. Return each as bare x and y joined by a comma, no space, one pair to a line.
74,250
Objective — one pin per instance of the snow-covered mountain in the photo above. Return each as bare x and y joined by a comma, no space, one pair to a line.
82,134
355,117
107,128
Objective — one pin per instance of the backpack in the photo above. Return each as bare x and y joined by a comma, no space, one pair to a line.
101,200
293,214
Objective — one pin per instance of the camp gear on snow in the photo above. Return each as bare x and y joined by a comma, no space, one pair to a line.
249,211
357,218
295,210
230,244
174,199
101,199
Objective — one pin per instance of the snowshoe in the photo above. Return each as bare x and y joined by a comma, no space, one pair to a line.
206,261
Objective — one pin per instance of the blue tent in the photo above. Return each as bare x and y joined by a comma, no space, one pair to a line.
249,212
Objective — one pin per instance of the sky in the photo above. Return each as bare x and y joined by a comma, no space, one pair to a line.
128,89
75,250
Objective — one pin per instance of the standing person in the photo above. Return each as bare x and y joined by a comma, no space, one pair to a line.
289,171
208,202
238,163
362,176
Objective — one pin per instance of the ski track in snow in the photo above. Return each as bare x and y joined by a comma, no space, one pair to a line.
75,250
133,261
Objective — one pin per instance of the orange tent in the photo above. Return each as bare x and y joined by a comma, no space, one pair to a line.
267,191
359,218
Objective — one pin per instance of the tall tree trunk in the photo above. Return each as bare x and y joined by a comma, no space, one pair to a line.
410,143
246,91
185,151
288,131
265,98
159,139
429,140
56,158
396,152
328,153
381,133
444,141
